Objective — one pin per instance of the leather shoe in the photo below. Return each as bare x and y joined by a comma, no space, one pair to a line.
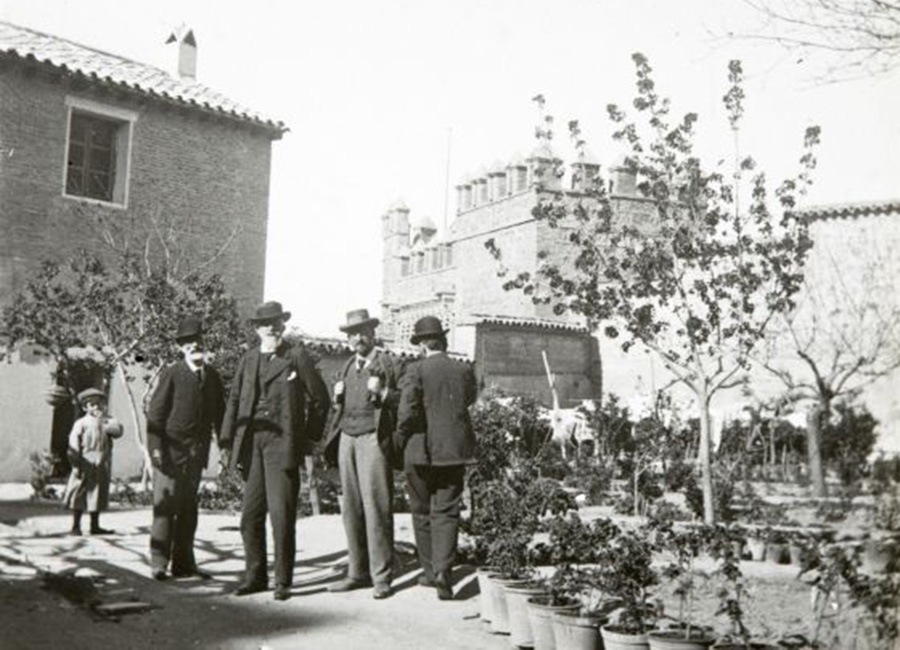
247,588
282,592
442,583
159,574
349,584
381,591
102,531
426,581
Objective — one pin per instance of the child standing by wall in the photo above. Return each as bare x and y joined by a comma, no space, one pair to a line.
90,453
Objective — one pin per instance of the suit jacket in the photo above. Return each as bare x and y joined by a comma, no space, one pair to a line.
297,404
390,369
183,413
434,425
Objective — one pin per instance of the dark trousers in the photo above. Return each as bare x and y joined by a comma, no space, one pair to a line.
367,484
435,498
271,489
175,517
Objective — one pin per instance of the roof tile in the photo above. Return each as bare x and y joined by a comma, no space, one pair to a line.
116,70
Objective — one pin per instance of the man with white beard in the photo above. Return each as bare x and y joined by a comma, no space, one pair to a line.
275,413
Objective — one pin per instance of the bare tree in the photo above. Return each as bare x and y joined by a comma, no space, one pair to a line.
854,38
843,335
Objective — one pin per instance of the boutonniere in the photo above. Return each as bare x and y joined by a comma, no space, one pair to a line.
292,376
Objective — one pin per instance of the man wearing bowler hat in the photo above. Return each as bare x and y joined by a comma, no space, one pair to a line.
436,436
275,413
366,395
185,409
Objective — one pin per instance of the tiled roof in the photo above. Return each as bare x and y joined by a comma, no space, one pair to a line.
528,322
844,210
110,69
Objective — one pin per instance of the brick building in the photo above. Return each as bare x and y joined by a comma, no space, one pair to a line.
87,136
451,274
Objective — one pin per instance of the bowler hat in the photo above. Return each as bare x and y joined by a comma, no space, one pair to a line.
427,327
270,311
189,327
88,393
357,320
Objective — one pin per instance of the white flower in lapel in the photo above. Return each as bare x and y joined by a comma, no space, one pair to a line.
292,376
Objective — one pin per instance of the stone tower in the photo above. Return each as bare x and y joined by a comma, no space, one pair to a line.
395,240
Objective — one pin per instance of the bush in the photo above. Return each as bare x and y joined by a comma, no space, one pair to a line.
848,441
42,464
724,496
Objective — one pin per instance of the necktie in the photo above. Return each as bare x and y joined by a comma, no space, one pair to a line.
199,373
360,364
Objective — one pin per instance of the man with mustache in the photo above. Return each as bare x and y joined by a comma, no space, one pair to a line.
185,409
275,413
365,398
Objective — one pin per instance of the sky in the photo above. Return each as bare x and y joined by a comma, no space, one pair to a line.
382,97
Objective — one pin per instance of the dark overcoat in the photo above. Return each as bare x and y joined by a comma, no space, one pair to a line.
434,425
298,404
183,414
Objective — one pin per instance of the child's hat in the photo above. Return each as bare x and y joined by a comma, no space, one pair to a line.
88,393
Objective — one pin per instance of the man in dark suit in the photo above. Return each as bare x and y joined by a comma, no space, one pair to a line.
185,409
275,413
435,432
365,398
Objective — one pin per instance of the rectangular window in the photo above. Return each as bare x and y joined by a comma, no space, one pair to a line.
97,152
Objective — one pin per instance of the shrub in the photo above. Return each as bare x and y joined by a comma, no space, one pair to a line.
42,465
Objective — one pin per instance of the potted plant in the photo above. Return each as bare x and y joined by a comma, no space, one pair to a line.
756,544
576,545
684,546
881,549
732,594
627,576
776,546
797,543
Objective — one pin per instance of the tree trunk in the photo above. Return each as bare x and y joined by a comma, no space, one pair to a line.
136,422
637,492
705,459
814,446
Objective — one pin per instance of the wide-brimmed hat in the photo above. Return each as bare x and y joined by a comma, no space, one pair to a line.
188,328
427,327
357,320
89,393
270,311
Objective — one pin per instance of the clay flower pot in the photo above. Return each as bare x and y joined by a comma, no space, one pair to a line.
485,600
775,552
540,615
756,547
500,613
57,396
677,639
573,630
520,634
616,639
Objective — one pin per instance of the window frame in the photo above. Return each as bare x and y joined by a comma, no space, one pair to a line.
123,146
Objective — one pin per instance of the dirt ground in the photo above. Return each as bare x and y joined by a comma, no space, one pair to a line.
192,613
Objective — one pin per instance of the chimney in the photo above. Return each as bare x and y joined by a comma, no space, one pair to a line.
187,52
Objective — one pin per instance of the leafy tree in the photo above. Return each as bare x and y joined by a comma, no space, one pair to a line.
841,337
696,279
123,308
